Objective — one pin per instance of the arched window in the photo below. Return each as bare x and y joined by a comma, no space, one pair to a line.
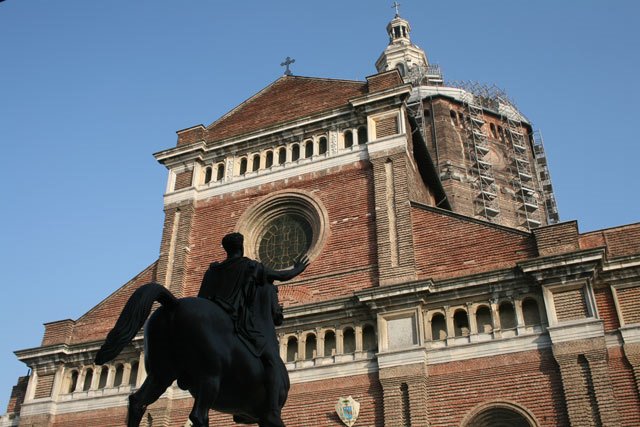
322,145
492,128
269,159
308,149
454,117
292,349
507,315
310,347
530,312
255,163
220,172
243,166
88,378
295,152
438,327
282,156
117,379
363,138
461,323
483,320
133,377
348,139
73,381
329,343
104,374
369,341
349,340
500,415
207,174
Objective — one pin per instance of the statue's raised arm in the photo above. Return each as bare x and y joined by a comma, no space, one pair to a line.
299,266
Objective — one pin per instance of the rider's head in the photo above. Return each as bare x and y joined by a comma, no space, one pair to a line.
233,243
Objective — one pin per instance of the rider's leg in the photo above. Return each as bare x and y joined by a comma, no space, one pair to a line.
150,390
206,392
273,385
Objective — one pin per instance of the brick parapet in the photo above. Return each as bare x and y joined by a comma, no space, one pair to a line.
557,238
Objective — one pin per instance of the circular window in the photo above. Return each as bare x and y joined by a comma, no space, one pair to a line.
283,227
283,240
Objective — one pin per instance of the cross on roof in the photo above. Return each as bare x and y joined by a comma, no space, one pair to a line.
396,5
286,63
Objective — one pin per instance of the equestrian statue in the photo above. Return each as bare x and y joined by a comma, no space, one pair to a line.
220,346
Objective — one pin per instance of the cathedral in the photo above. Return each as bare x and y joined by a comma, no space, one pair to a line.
442,288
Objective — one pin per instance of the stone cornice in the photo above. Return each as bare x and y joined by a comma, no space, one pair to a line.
564,267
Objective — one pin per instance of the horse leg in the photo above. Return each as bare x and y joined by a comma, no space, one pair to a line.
150,391
206,392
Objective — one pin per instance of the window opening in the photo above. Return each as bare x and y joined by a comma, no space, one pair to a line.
507,316
322,145
348,139
133,378
369,341
117,381
461,323
295,152
292,349
349,340
208,175
438,327
363,138
269,159
256,163
282,156
530,312
220,173
329,343
483,319
104,374
88,378
308,149
73,381
243,166
310,347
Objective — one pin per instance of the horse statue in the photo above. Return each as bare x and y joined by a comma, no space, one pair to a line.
192,340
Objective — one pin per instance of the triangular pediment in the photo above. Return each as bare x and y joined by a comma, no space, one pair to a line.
286,99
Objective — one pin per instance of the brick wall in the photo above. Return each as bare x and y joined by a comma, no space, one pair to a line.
57,332
570,305
607,308
620,241
624,388
347,261
629,299
183,180
18,393
558,238
44,385
527,379
387,126
448,245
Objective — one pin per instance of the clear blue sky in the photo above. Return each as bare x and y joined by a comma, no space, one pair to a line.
89,90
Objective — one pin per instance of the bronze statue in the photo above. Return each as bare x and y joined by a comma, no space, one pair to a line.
222,346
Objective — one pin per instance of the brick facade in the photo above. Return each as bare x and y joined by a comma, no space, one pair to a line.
424,311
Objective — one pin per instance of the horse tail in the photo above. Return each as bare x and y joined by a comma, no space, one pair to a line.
132,318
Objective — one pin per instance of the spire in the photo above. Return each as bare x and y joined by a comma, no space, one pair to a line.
408,58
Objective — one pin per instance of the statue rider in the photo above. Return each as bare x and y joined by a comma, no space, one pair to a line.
231,284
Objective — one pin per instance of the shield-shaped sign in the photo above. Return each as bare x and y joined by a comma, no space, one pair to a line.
348,410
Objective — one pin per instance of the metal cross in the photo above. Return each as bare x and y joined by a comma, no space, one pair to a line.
396,5
286,63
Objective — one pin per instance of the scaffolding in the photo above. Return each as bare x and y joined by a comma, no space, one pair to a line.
481,169
523,177
544,178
